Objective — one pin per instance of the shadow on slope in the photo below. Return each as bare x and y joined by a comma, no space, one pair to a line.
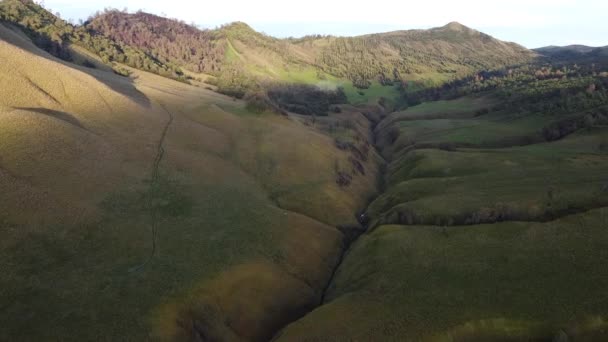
66,117
16,36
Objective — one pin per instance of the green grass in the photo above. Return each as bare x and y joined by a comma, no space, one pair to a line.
232,56
507,281
486,131
370,95
464,106
78,281
244,213
464,122
531,182
297,74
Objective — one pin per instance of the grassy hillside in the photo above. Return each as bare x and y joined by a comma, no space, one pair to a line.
512,281
531,183
240,57
235,59
524,145
497,183
434,185
430,57
145,208
56,36
169,41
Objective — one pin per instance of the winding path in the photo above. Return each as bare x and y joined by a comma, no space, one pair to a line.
160,153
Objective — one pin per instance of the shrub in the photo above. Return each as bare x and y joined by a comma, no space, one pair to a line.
88,64
121,71
305,99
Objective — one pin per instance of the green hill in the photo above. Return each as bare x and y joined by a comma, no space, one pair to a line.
577,53
425,185
237,59
429,57
491,225
141,207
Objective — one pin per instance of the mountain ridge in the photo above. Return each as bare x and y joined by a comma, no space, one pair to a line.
240,59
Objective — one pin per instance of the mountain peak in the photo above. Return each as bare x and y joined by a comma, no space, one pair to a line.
238,25
456,26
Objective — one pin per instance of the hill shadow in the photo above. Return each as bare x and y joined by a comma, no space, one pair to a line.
63,116
42,45
123,85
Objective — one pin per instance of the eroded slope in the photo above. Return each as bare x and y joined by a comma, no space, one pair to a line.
151,209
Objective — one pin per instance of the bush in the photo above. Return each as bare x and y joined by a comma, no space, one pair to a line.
88,64
305,99
258,102
121,71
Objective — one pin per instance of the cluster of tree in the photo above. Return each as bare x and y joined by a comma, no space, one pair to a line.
562,128
164,46
304,99
170,41
539,87
233,81
435,55
54,35
46,30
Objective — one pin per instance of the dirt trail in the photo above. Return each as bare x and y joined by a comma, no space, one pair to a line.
154,183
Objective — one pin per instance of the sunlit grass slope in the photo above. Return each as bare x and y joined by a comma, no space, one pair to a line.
143,208
468,186
510,281
446,273
466,121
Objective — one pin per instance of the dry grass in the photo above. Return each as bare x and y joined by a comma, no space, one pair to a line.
74,179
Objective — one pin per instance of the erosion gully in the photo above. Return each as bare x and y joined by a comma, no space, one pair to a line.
351,235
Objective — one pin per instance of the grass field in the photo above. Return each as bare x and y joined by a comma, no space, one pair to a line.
371,95
534,182
445,274
510,281
147,209
140,208
464,107
464,122
433,178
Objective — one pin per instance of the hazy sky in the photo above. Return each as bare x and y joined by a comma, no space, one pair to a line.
532,23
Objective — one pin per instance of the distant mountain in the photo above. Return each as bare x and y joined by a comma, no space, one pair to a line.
431,56
576,54
240,58
600,52
550,50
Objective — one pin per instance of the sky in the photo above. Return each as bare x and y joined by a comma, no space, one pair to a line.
531,23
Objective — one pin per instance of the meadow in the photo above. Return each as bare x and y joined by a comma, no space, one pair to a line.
531,183
348,189
486,228
509,281
143,208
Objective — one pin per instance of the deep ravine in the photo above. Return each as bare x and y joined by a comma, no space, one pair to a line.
351,234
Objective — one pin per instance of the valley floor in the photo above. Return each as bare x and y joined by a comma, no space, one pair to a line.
479,243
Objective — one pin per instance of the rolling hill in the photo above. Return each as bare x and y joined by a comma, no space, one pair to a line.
239,58
579,53
150,195
431,56
432,185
